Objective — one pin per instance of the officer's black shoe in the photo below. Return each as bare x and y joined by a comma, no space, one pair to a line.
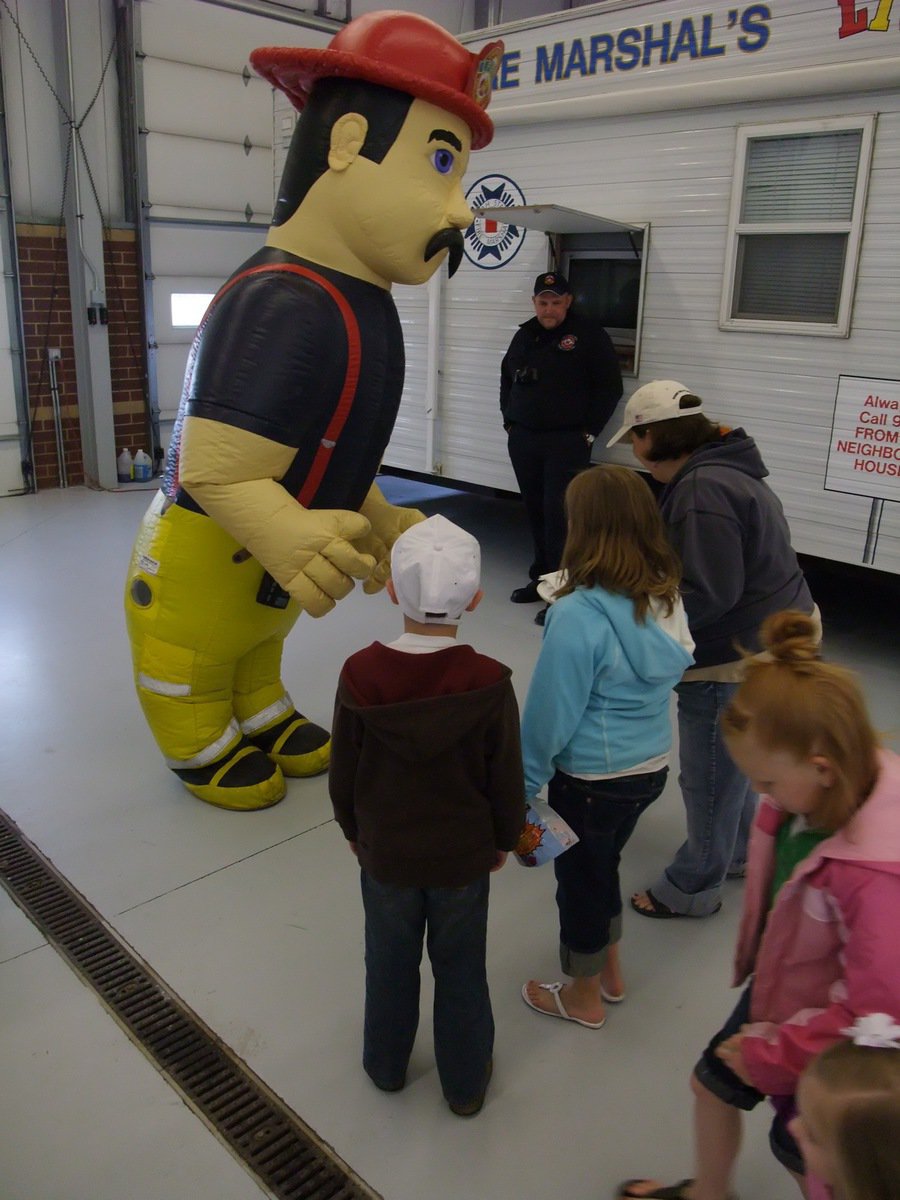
541,616
527,594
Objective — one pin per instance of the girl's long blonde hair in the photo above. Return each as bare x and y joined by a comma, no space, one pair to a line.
617,539
793,701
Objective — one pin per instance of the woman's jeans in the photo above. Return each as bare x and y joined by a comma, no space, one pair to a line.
454,922
603,813
718,800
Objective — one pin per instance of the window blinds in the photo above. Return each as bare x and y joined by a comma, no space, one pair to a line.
803,177
790,277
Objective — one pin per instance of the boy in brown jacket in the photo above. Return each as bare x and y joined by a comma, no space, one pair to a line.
426,782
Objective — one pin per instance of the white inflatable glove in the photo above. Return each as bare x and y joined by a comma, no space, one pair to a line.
387,522
331,558
232,474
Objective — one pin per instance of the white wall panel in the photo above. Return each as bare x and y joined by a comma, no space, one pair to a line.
887,552
194,176
190,31
409,441
178,251
202,100
11,480
455,15
10,468
196,101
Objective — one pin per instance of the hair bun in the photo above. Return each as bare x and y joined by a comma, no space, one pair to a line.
790,637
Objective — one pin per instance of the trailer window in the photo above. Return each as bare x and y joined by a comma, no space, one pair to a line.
795,226
606,274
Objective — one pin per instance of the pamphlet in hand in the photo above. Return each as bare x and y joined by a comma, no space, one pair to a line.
544,836
549,585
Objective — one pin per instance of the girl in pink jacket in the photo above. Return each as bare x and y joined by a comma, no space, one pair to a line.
818,937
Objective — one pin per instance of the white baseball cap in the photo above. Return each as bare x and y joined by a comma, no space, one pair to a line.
657,401
436,571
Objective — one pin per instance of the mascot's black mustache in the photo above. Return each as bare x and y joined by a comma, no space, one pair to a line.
447,239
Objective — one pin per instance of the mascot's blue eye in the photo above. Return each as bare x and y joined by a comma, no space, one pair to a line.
443,161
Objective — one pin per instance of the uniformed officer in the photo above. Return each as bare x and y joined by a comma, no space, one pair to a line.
560,382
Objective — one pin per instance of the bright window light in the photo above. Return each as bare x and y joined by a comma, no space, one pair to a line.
188,308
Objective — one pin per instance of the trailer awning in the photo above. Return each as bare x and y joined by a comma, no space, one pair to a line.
553,218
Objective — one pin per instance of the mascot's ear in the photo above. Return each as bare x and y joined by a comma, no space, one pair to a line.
347,136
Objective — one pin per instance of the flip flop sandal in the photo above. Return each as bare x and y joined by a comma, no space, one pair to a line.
661,912
554,989
610,997
677,1191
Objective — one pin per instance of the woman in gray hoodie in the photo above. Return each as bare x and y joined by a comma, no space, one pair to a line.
729,530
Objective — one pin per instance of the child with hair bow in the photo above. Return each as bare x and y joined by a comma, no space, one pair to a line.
848,1115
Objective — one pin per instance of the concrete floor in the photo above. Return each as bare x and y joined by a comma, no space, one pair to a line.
255,919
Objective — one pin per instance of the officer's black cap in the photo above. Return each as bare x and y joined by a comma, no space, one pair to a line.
551,281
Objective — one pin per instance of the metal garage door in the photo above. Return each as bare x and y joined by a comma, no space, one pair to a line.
207,150
13,415
10,445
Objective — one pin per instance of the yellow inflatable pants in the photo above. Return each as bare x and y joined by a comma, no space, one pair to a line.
207,663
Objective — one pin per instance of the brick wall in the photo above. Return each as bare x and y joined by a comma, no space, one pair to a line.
47,315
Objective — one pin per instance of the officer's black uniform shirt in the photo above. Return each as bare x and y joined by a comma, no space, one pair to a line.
562,378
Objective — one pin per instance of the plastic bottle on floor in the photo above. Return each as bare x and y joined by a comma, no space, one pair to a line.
125,467
143,467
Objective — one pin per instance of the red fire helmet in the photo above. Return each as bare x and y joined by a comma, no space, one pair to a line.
399,50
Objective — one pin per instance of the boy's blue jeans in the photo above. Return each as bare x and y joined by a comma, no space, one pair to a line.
718,800
453,924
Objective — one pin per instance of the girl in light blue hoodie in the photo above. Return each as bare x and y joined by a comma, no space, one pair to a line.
596,722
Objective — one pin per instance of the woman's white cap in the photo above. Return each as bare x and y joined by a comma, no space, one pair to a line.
656,401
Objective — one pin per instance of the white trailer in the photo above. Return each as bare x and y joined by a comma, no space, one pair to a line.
722,183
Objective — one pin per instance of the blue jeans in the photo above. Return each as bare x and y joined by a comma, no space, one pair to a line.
603,813
454,922
718,800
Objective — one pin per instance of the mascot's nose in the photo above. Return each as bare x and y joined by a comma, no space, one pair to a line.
460,216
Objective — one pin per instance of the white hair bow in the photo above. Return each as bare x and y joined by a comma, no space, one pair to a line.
877,1029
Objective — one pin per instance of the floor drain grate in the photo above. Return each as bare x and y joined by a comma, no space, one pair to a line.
268,1137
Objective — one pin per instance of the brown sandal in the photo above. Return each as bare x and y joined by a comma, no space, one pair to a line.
662,912
677,1191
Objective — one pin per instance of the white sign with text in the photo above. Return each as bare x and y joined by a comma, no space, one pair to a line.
864,454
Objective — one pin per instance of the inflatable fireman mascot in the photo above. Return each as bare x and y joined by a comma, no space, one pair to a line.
268,506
